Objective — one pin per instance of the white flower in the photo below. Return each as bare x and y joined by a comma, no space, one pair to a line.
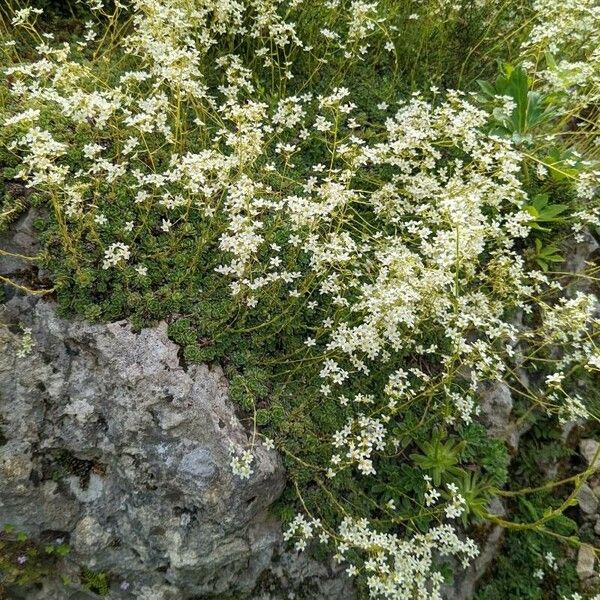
116,253
91,151
554,379
241,463
22,15
431,497
551,561
27,343
30,114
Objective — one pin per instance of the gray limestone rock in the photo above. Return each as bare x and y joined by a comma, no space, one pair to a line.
586,558
496,406
20,250
495,401
588,502
578,257
109,442
589,450
466,582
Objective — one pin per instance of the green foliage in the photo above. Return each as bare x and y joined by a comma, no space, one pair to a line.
564,164
513,574
546,254
489,453
439,457
477,492
95,581
24,562
542,211
531,108
524,553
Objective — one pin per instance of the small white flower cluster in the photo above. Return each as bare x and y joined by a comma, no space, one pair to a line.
551,561
584,220
28,115
568,33
432,495
27,343
116,253
23,15
457,504
241,462
569,409
39,166
398,568
361,436
565,322
303,530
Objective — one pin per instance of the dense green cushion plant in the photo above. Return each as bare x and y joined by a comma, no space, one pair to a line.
347,207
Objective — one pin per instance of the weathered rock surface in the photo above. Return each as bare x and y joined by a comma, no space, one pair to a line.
496,407
578,258
589,451
109,442
20,247
588,502
586,558
466,581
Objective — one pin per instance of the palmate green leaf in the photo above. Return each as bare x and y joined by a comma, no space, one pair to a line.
476,491
439,457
